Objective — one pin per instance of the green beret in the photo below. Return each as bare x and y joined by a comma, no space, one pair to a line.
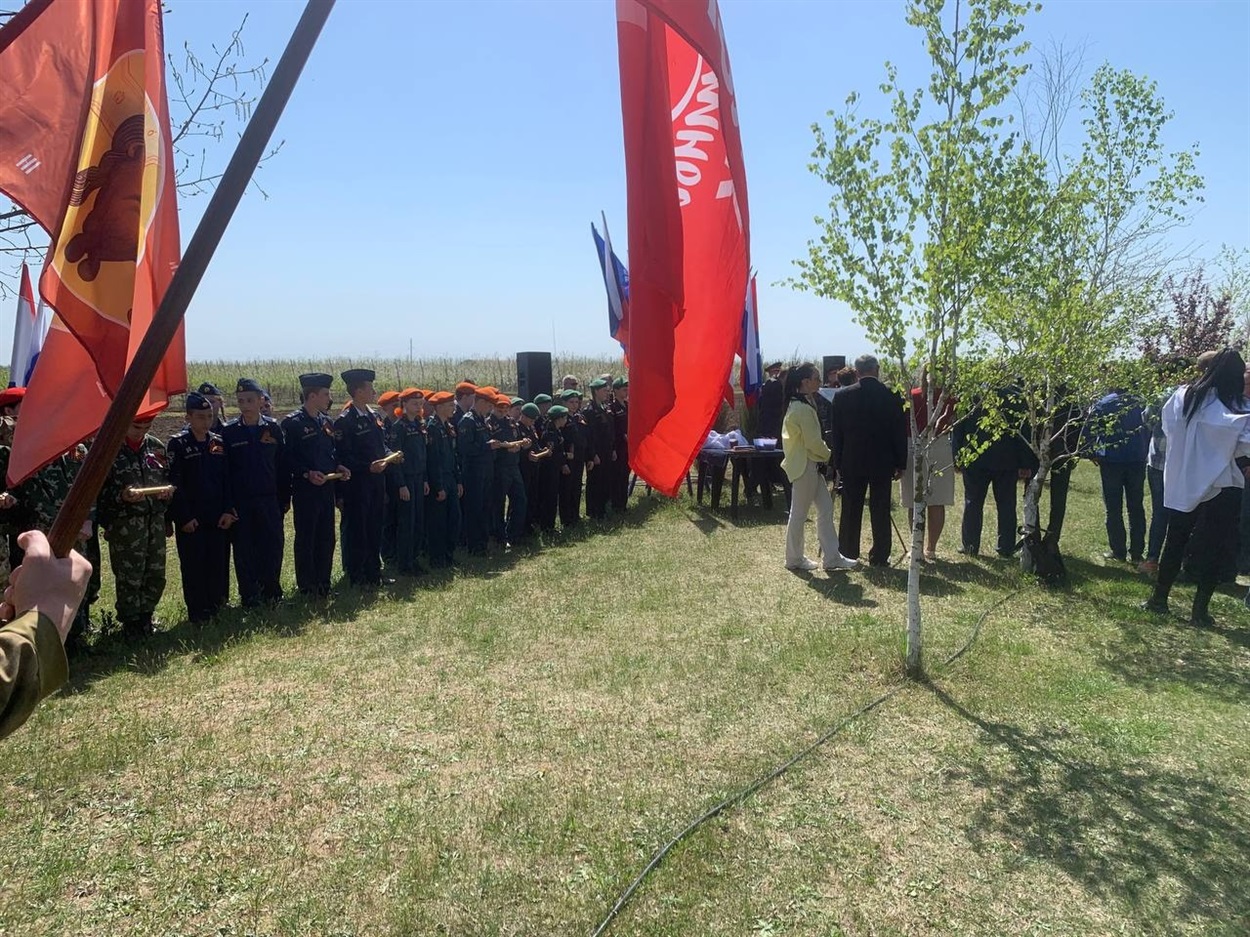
531,410
517,401
570,394
597,383
557,411
620,382
543,398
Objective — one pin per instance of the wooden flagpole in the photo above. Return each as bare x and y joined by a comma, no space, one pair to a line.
186,279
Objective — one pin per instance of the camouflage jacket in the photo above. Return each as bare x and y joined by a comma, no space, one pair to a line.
138,468
41,495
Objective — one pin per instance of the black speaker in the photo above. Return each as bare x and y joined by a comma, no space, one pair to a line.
533,374
833,363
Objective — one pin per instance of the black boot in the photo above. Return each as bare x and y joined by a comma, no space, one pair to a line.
1199,617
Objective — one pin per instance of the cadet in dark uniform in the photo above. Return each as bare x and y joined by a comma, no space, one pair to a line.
578,452
602,466
474,450
388,403
527,428
410,438
509,484
442,504
310,457
201,510
261,496
619,408
543,402
213,395
360,441
553,467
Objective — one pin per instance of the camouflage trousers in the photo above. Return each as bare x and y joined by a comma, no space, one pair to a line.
137,555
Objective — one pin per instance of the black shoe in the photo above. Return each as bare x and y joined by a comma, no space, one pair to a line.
1202,620
968,551
1155,608
1116,557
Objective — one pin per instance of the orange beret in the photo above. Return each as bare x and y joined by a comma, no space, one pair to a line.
386,397
409,392
465,387
440,396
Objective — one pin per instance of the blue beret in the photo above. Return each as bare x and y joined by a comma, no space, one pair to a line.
246,384
209,390
315,381
197,401
358,374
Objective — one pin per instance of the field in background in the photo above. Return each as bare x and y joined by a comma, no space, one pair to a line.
281,377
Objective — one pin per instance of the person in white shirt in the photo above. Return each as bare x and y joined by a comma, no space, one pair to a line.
805,451
1207,425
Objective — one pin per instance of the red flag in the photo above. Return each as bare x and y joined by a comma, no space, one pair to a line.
85,147
689,231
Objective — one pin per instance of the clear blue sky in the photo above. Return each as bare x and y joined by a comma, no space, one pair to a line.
444,160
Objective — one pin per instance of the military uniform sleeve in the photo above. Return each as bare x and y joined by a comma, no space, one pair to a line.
283,480
32,665
179,511
295,465
344,451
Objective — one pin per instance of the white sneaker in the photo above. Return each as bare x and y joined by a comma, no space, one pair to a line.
804,564
842,562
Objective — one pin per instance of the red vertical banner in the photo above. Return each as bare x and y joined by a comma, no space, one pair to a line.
86,149
689,229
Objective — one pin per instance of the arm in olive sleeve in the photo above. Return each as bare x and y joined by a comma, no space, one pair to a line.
32,665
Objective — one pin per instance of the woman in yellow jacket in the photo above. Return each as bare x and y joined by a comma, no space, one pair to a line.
804,451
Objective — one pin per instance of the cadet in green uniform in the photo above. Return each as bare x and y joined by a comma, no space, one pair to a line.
553,467
39,498
543,402
578,452
442,503
134,526
601,469
619,408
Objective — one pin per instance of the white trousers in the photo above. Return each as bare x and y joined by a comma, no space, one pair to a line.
810,488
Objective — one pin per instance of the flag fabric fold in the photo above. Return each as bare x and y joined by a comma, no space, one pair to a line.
751,374
616,283
689,230
86,149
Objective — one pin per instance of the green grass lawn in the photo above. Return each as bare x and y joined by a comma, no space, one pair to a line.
500,751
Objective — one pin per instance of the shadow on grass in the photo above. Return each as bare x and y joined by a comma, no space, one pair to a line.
1173,845
111,653
842,588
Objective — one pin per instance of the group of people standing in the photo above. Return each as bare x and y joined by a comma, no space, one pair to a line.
405,484
1191,446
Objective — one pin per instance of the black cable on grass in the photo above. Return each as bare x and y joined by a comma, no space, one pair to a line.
762,780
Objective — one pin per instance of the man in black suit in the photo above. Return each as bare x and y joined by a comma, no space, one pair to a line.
771,408
868,435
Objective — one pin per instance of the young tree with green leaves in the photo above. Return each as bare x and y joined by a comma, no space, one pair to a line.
1089,240
913,233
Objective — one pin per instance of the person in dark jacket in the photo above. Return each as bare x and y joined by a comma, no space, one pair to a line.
602,464
619,408
475,454
579,452
201,510
360,445
1119,443
410,438
553,468
310,455
868,435
527,429
442,503
997,462
261,496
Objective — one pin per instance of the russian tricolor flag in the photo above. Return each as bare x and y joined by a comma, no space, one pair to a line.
616,283
751,377
29,331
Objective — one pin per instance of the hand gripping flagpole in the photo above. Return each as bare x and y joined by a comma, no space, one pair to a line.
186,279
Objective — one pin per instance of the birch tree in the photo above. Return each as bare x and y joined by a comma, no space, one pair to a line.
1083,277
913,228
